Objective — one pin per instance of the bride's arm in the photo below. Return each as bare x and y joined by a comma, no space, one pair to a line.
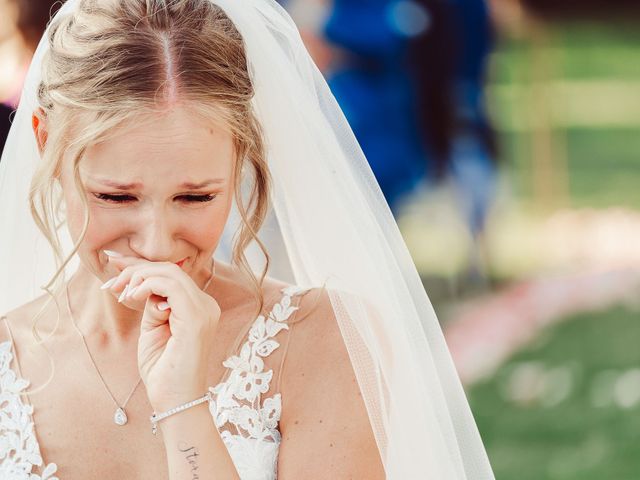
325,428
194,447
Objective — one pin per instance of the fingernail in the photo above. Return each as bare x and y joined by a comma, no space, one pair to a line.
163,306
111,253
131,291
124,293
108,283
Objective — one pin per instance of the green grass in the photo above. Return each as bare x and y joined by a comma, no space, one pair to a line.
572,439
569,428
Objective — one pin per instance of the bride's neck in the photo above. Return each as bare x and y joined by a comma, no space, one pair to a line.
97,312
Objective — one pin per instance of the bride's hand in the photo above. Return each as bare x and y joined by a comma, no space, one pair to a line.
178,324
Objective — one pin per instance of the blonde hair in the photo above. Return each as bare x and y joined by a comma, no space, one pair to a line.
113,60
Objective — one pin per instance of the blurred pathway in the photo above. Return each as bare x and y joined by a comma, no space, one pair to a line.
484,332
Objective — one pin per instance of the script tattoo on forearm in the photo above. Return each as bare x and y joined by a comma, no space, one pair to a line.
192,458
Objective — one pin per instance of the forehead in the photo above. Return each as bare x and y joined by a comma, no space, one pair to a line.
176,145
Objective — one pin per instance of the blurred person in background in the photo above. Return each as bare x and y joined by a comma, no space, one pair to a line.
448,61
22,25
371,82
410,76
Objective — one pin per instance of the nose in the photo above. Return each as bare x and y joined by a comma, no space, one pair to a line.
154,235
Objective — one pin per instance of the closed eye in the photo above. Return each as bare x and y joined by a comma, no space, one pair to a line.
114,198
107,197
198,198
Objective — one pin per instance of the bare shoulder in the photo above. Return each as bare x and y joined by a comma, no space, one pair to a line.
21,318
317,364
325,426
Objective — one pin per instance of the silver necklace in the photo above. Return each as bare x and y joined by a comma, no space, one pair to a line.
120,416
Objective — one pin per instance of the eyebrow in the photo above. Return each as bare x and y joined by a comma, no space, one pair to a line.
137,185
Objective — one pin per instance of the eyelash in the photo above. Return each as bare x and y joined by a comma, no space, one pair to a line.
127,198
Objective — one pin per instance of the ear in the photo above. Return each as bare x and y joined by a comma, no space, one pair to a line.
38,122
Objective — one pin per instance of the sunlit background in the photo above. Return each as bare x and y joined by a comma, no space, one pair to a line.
528,243
506,137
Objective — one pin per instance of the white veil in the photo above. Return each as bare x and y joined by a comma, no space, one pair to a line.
336,227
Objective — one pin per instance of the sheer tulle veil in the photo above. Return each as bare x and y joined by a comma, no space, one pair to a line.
336,228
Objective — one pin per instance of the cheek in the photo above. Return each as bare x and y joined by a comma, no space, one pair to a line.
103,226
75,214
205,228
75,211
100,231
101,223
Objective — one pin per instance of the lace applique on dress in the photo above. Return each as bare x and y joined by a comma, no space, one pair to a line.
247,425
19,449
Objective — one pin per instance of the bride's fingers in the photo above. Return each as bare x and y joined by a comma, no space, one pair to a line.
176,296
121,263
167,269
132,276
155,316
157,268
161,286
116,284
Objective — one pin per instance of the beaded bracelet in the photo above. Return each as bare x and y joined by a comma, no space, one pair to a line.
156,418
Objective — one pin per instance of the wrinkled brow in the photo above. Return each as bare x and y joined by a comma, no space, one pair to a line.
138,185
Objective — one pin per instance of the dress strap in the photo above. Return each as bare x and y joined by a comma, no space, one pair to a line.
6,321
15,352
241,336
292,321
13,343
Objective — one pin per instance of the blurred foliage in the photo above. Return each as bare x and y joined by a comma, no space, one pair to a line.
592,78
604,166
588,50
566,438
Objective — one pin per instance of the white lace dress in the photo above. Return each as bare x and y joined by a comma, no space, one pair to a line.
248,423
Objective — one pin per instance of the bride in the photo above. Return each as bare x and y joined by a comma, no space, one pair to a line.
143,125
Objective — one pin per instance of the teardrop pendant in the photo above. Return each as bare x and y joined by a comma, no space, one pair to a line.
120,417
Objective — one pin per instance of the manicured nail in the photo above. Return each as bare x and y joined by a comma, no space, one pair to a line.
124,293
111,253
132,291
162,306
108,283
